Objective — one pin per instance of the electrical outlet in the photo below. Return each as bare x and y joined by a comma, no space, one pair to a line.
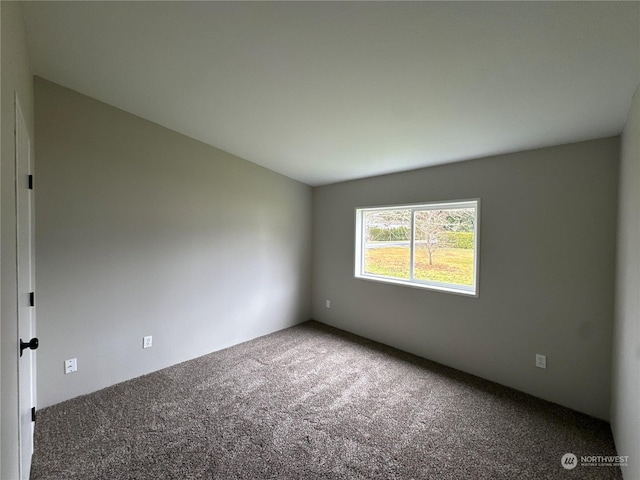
146,342
70,365
541,361
328,303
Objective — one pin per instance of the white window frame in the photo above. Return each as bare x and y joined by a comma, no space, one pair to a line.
472,290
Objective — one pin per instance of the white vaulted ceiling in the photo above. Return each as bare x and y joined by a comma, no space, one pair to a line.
330,91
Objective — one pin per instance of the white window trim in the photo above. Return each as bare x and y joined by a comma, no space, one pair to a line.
471,291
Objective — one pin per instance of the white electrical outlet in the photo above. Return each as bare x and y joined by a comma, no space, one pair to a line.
328,303
541,361
70,365
146,342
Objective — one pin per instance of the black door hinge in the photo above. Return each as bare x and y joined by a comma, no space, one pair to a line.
30,182
33,414
32,299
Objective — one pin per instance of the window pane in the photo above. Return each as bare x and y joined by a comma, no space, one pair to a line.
429,245
387,238
444,245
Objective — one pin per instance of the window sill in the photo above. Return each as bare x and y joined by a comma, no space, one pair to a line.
471,292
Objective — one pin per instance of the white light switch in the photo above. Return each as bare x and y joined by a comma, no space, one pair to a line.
70,365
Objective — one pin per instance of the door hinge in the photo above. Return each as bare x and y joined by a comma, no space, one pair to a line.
33,414
30,182
32,299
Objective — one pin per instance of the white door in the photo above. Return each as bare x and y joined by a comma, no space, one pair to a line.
26,297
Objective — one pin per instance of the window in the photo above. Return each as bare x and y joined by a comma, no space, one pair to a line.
431,245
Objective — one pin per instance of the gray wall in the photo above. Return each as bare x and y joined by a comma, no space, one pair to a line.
16,77
143,231
547,261
625,408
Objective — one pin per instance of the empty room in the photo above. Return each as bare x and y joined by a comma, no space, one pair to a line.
320,240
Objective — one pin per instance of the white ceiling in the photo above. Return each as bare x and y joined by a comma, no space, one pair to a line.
329,91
